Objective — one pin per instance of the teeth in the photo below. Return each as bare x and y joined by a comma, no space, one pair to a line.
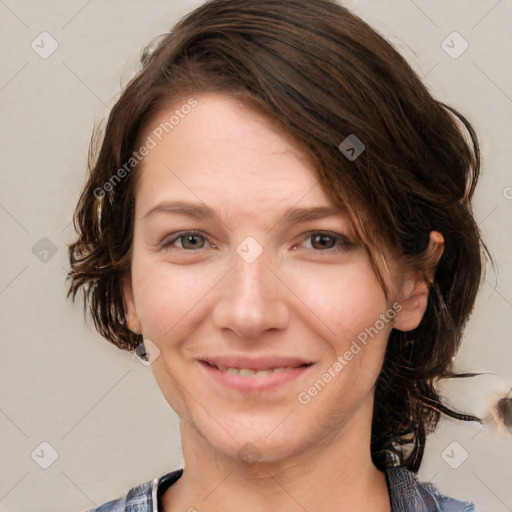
243,372
246,372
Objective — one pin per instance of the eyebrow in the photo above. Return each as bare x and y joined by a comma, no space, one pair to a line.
202,211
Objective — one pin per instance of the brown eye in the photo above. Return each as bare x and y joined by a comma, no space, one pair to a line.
322,241
328,242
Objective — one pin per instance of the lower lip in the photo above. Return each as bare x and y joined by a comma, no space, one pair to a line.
240,383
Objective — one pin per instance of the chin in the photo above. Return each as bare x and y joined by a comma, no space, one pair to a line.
253,440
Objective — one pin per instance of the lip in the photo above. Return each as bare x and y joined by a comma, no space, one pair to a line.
247,384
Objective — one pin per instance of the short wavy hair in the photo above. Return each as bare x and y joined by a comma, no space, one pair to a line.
322,74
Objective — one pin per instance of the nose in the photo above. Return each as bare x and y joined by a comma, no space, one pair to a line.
252,299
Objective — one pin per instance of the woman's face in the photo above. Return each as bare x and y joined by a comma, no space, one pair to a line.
259,284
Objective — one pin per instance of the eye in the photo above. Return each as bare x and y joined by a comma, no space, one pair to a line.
190,240
326,241
321,241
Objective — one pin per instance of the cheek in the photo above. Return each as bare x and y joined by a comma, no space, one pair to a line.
346,299
167,297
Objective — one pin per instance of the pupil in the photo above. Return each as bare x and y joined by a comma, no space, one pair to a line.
189,238
322,238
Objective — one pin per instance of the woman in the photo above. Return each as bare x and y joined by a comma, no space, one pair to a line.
279,214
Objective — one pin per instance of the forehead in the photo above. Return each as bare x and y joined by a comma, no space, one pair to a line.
225,153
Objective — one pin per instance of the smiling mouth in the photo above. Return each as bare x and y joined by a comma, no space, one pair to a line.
250,373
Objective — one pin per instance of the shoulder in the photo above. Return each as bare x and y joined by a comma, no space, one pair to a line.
445,503
139,498
406,491
143,497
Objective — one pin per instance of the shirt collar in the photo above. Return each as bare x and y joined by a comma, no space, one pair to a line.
405,492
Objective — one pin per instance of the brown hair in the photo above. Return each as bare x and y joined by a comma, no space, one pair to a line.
322,74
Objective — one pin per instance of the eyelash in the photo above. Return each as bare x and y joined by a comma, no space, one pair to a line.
344,243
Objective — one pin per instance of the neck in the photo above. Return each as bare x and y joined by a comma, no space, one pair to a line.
336,474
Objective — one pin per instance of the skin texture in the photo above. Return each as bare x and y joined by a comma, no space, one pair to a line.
298,298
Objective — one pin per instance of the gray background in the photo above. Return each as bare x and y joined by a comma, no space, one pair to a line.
99,408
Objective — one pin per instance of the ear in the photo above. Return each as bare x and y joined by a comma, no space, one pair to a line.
413,295
132,319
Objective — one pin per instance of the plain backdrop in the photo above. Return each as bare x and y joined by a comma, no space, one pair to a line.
92,413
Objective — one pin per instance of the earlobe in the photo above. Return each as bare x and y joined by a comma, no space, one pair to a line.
414,292
132,319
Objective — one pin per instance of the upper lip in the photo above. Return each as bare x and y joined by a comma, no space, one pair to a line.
256,363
